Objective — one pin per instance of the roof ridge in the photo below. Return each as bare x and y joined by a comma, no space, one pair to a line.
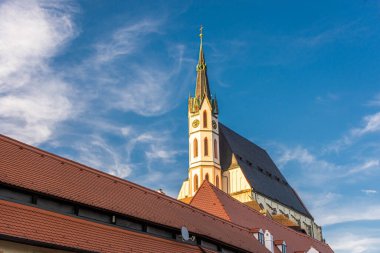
123,181
273,221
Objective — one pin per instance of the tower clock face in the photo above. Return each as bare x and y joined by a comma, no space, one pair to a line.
214,125
195,123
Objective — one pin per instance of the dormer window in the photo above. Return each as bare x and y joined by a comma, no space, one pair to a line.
281,245
258,234
261,237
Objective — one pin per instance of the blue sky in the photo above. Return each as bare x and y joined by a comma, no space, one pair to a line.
106,83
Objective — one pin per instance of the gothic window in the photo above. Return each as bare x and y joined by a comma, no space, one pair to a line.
215,149
196,183
217,181
204,119
206,177
206,146
195,148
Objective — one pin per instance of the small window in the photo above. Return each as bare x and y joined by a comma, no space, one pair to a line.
15,195
209,245
129,224
196,183
217,181
261,237
215,149
227,251
206,177
159,232
94,215
206,146
195,148
284,248
204,119
55,205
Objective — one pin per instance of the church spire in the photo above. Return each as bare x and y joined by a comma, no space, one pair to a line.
202,89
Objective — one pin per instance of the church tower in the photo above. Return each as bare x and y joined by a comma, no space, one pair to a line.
204,163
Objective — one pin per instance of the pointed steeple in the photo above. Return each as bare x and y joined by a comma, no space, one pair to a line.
202,89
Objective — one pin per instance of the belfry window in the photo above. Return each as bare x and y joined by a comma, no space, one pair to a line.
196,183
195,148
204,119
215,149
217,181
206,177
206,146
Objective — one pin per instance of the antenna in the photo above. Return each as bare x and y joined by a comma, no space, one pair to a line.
185,234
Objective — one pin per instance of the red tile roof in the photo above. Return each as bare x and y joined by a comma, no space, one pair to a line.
245,216
26,222
31,168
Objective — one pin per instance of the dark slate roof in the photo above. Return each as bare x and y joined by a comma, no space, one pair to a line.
259,169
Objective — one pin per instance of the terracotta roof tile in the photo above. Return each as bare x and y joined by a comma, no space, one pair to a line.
245,216
31,168
30,223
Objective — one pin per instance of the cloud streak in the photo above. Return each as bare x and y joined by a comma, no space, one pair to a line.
371,125
125,75
33,97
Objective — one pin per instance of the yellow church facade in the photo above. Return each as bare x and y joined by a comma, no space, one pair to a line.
235,165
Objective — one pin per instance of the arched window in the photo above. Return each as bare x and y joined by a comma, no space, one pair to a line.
217,181
206,177
195,147
206,146
215,149
204,119
196,183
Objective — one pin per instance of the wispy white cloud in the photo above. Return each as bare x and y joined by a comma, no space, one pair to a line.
365,167
313,38
327,98
355,242
98,153
343,212
125,75
371,124
369,191
125,41
33,97
298,154
375,101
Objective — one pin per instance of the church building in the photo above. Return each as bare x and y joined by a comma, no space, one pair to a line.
236,199
236,165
